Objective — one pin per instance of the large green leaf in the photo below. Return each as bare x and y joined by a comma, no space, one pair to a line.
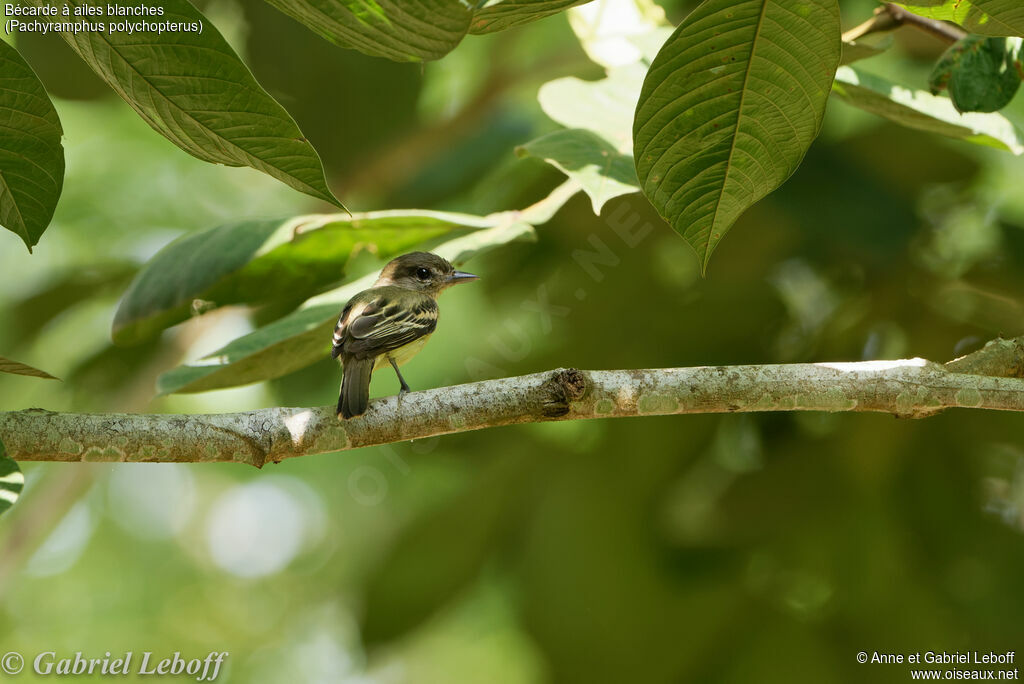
11,481
401,31
303,337
31,156
601,170
17,368
988,17
729,108
192,88
499,15
255,262
921,110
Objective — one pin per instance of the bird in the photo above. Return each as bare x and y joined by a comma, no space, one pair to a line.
389,323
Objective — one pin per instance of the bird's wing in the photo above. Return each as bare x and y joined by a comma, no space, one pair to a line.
379,324
338,341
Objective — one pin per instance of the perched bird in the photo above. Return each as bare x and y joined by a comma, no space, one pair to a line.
389,323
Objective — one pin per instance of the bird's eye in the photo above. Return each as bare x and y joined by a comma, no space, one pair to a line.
423,273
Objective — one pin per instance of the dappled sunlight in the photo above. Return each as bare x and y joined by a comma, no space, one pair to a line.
615,34
151,500
259,528
218,328
297,423
64,546
322,647
873,366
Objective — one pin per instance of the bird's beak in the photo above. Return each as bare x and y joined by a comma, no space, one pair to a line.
461,277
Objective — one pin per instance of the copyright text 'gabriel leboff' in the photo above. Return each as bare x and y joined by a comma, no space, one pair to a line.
202,669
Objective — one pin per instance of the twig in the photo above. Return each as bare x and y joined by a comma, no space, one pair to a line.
891,16
912,388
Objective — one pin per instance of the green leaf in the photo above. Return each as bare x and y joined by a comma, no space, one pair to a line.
303,337
601,170
982,74
987,17
924,111
31,156
595,150
11,481
192,88
400,31
499,15
16,368
605,107
255,262
729,108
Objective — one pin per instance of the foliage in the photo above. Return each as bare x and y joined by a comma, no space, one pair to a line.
31,158
923,111
729,107
982,74
726,111
255,262
985,17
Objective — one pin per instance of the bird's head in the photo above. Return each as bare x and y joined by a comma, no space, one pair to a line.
422,272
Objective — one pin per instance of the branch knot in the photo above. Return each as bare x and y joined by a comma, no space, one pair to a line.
564,386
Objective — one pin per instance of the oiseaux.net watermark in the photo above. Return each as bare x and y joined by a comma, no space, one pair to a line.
202,669
949,665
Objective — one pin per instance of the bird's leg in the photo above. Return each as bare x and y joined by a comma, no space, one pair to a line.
405,386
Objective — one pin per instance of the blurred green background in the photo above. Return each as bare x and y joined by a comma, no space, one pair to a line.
760,548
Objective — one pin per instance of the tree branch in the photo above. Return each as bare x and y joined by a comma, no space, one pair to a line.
891,16
912,388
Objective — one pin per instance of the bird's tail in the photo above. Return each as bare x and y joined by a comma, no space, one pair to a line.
355,386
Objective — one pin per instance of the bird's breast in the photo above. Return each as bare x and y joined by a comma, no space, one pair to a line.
402,354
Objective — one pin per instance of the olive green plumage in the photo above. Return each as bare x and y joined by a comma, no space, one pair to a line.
389,323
